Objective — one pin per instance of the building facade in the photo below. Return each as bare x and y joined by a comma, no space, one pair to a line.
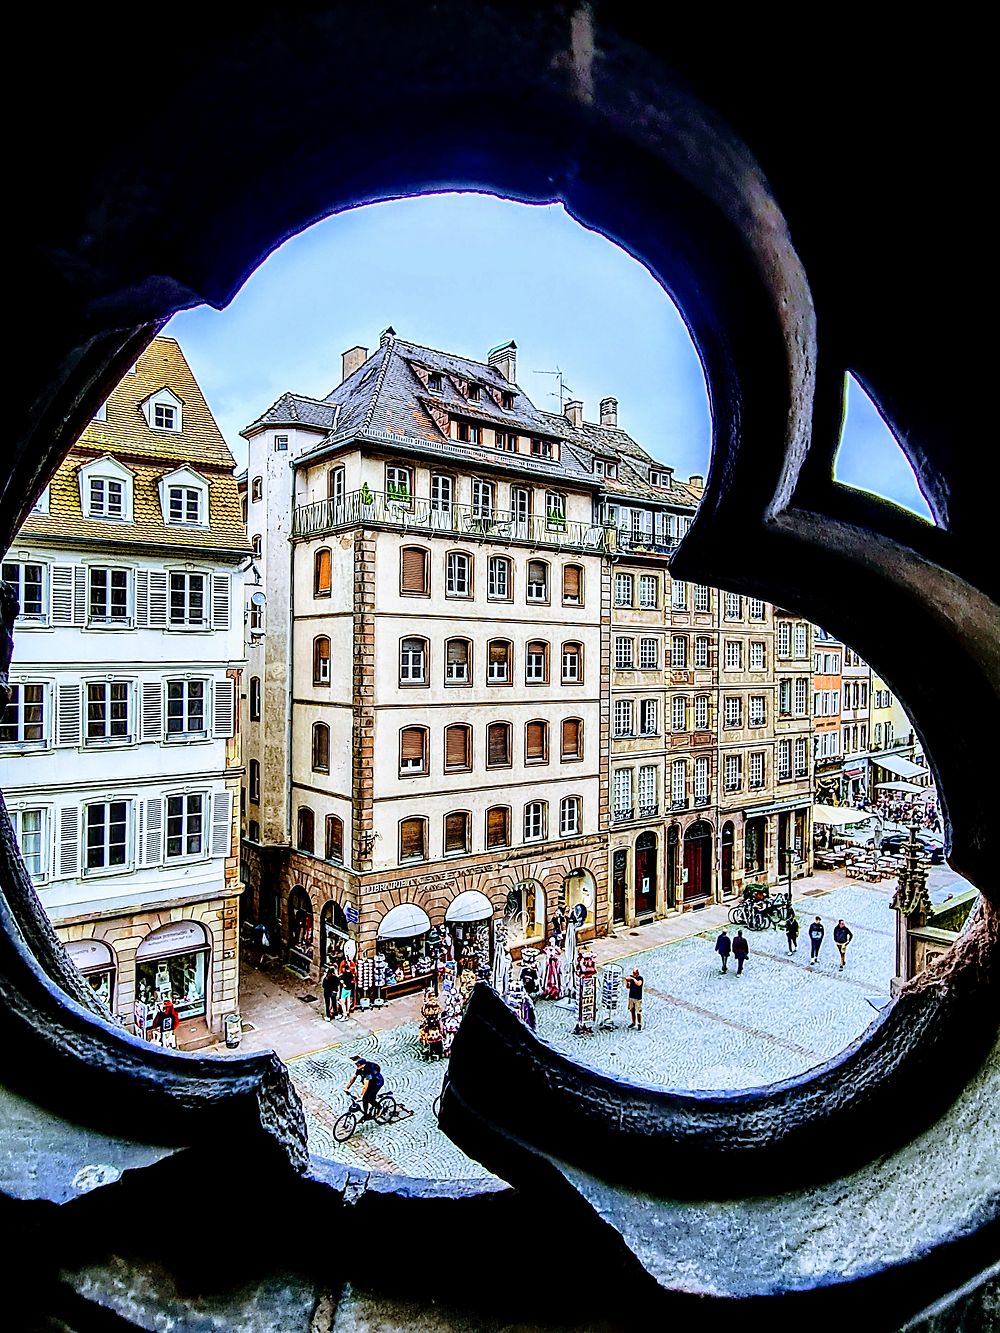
121,745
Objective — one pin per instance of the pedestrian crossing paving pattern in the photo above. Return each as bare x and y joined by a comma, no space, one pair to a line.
701,1031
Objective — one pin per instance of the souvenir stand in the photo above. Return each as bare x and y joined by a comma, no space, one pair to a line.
468,922
586,992
452,1006
366,981
552,973
431,1033
519,1002
530,980
403,941
611,988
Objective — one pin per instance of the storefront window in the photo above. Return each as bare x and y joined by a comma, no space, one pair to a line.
524,912
180,978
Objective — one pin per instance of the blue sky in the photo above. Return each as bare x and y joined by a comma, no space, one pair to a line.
464,272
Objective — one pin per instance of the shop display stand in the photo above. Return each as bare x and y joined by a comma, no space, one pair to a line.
431,1034
611,986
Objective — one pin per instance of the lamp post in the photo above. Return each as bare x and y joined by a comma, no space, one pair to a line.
434,944
790,858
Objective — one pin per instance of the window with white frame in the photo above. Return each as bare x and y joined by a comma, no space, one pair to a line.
107,498
498,580
623,717
624,650
758,710
108,711
163,412
106,827
734,655
536,662
678,784
701,777
648,717
801,758
733,606
734,772
878,735
413,661
784,638
622,793
569,816
701,712
188,599
801,696
678,651
758,656
398,484
757,610
623,589
185,826
785,696
498,654
482,499
555,510
534,821
442,493
702,651
678,595
572,663
187,709
757,769
31,832
647,791
702,597
458,580
678,713
784,759
734,710
649,654
28,582
23,720
538,581
108,596
799,632
184,505
457,669
649,591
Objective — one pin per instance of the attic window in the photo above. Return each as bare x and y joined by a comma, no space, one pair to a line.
434,383
541,448
164,416
659,478
507,401
163,411
106,490
475,393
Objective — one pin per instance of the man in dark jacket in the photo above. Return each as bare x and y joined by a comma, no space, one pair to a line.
792,931
842,938
816,933
741,951
331,985
723,947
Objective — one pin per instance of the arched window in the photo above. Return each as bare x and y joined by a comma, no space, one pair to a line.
414,571
498,746
413,839
536,742
321,748
257,543
537,589
257,488
334,841
335,485
572,592
413,661
457,748
536,663
255,698
413,750
570,816
572,663
499,579
321,660
456,832
458,574
572,738
535,817
499,654
253,780
305,830
458,662
498,826
322,572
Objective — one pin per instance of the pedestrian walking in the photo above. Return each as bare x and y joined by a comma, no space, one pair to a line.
816,933
331,985
842,938
346,1004
635,984
724,947
741,952
792,931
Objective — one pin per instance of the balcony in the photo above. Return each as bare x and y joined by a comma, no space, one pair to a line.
679,804
702,798
624,814
366,508
649,811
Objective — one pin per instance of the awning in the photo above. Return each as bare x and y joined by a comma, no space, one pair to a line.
470,906
839,814
909,787
177,937
903,768
853,772
403,922
778,807
88,954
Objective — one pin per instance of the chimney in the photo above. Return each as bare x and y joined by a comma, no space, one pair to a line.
505,360
573,412
696,483
386,336
353,359
609,411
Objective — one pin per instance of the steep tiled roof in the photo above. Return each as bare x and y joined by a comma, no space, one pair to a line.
150,455
590,440
295,409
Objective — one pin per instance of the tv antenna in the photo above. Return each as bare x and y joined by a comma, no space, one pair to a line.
564,392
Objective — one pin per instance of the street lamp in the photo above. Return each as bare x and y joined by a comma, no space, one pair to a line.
790,858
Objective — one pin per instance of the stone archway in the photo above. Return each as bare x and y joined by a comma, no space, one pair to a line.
697,862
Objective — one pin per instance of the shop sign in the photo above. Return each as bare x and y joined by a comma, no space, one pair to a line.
424,881
352,914
139,1015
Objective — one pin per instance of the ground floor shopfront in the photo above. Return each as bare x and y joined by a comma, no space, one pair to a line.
401,923
188,954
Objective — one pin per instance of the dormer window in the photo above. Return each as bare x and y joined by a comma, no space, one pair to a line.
659,478
507,401
106,490
162,411
605,467
184,505
164,416
434,383
541,448
102,412
184,498
41,505
107,498
475,393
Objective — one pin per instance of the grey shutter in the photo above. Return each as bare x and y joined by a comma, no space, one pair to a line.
142,598
152,710
69,715
220,601
157,599
69,841
62,594
152,846
224,699
79,595
222,821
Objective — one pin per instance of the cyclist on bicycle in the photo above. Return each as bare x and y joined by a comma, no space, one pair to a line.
371,1078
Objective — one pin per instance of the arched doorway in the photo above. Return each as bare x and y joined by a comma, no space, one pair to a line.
300,930
332,932
697,861
646,845
524,912
673,862
619,885
727,841
579,892
96,961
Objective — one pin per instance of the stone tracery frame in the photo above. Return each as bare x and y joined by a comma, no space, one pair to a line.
605,126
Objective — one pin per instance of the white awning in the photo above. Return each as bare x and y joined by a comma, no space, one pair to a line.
909,787
470,906
903,768
403,922
88,954
839,814
177,937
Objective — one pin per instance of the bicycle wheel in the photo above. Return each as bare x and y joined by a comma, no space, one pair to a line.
345,1125
385,1109
436,1108
757,920
737,915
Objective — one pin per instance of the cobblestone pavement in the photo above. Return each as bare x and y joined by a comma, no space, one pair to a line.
702,1029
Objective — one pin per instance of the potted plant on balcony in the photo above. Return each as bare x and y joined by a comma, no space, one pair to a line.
556,520
399,494
367,497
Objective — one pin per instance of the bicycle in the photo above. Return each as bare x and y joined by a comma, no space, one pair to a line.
747,914
345,1124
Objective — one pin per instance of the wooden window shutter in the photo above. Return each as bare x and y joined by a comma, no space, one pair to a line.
498,651
571,582
69,715
152,710
414,569
456,753
498,744
411,837
220,601
222,824
536,571
323,571
334,837
458,651
496,826
534,745
571,736
454,833
412,744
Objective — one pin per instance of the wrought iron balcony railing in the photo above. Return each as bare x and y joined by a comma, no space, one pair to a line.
649,811
624,813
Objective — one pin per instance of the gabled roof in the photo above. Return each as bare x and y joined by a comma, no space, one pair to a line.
590,440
